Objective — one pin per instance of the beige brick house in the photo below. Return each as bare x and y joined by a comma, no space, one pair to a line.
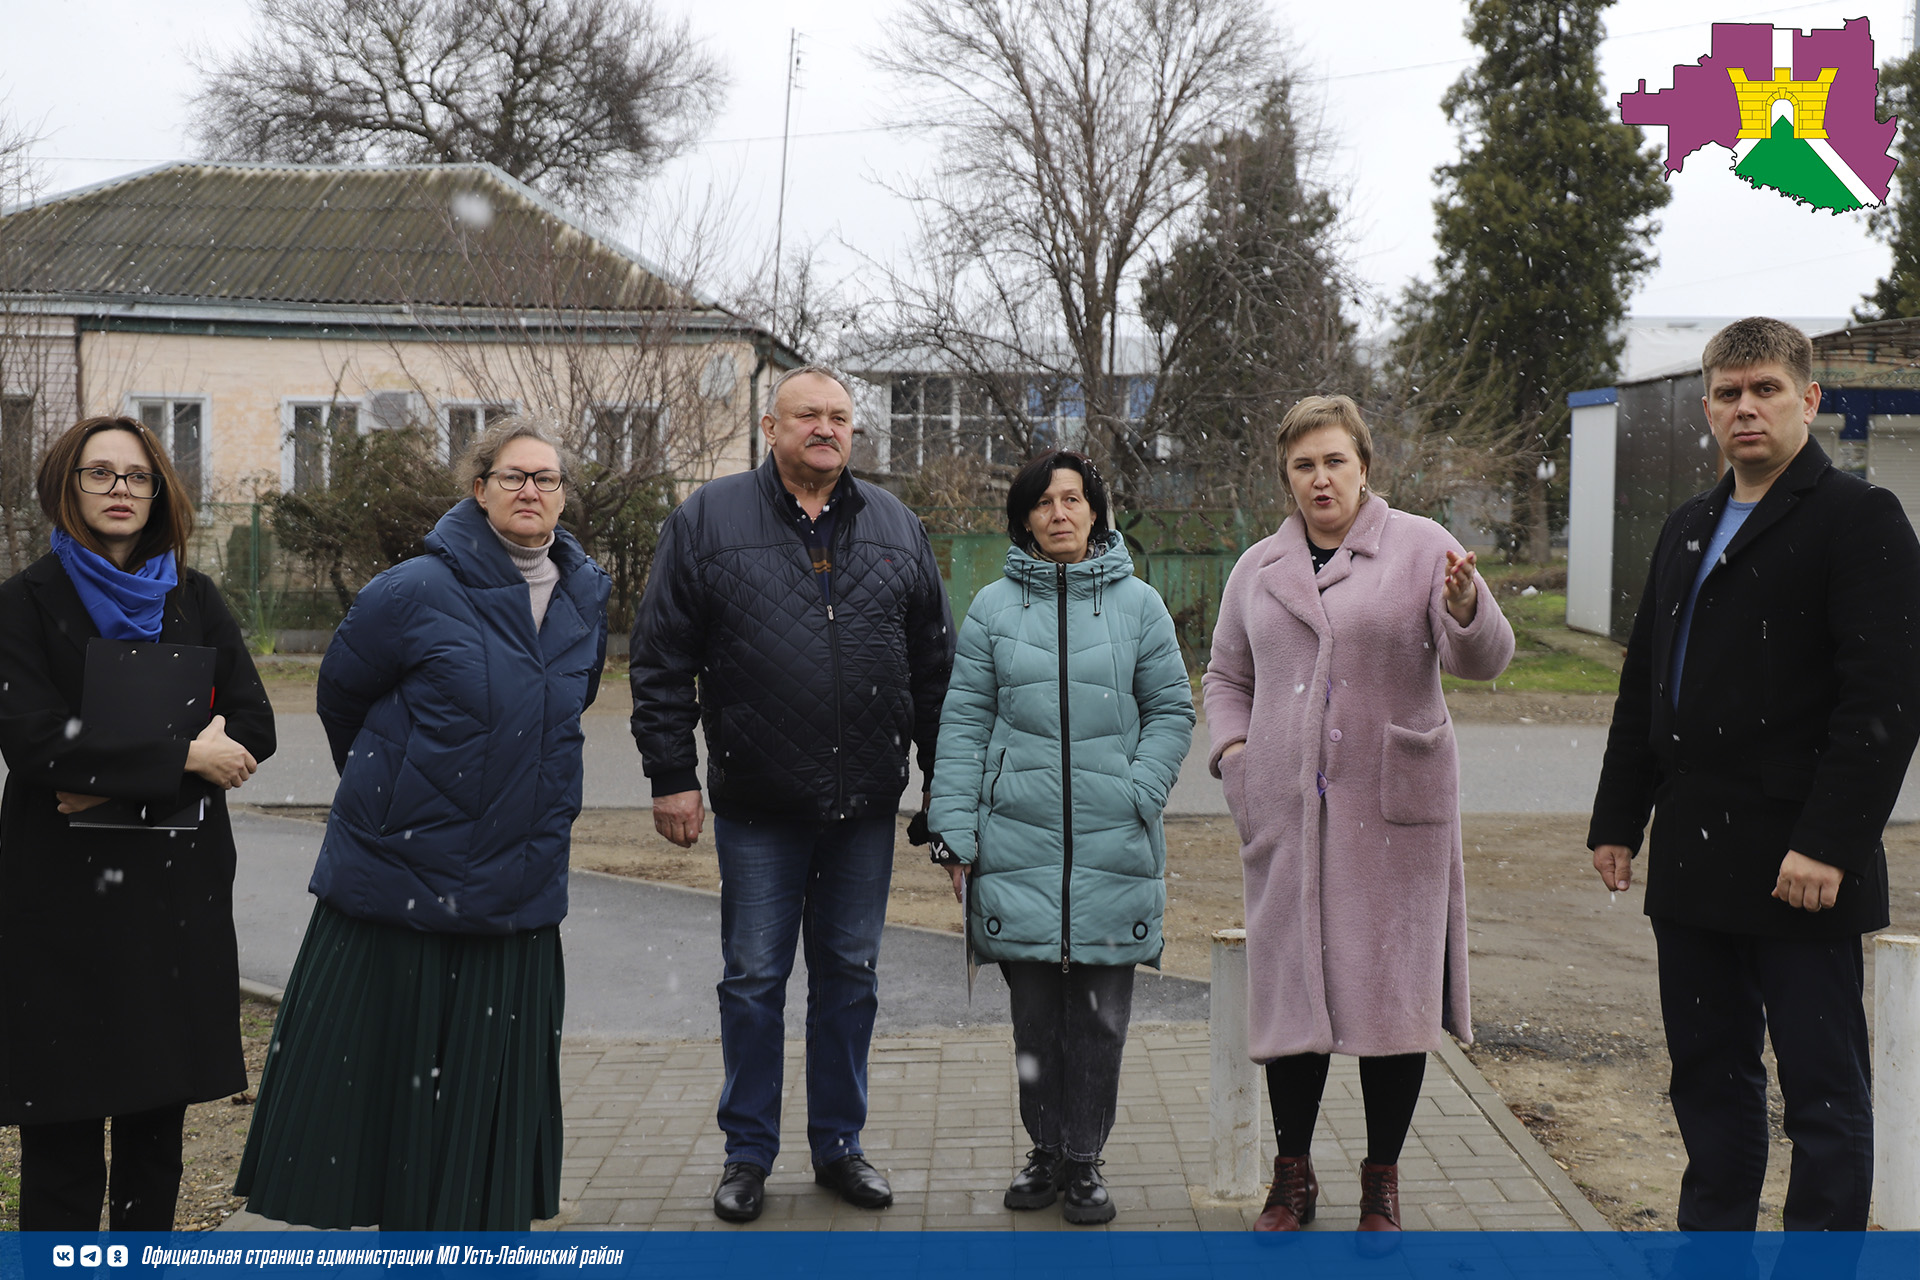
249,311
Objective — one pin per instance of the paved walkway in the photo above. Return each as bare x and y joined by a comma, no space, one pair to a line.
641,1079
642,1150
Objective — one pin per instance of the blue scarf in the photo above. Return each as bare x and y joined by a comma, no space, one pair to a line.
125,606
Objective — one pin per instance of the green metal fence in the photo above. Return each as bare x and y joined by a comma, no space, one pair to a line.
270,592
1184,555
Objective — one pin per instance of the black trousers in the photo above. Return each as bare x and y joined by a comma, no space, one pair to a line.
1069,1030
1389,1088
1720,995
63,1173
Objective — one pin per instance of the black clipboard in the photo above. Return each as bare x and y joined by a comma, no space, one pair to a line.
146,690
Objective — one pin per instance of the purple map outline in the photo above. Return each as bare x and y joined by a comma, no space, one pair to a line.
1701,107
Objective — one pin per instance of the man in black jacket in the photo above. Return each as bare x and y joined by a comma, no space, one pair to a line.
1768,707
798,613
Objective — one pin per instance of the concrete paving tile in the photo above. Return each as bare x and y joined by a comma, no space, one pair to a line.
595,1211
1522,1190
1477,1191
1164,1196
636,1212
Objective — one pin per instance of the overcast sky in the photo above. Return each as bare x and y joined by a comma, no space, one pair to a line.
106,82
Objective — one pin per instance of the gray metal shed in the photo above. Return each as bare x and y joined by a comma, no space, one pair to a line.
1642,447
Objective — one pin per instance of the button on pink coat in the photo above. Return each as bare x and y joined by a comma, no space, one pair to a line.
1356,907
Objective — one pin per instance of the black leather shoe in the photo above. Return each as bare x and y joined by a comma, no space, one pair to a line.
1087,1203
741,1193
1038,1185
855,1181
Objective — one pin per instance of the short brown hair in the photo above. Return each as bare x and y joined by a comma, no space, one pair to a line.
1315,412
480,456
169,520
1760,340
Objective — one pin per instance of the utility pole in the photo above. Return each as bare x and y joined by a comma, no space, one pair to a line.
780,218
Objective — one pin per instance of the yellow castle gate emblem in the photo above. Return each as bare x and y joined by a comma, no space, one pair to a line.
1807,97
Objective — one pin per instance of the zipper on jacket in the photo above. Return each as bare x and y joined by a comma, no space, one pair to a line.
841,536
833,648
1066,790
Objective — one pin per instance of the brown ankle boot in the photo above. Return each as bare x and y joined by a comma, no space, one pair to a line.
1379,1197
1290,1203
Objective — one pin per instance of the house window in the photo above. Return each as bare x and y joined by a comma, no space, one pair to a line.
924,420
465,421
620,434
179,425
310,442
16,450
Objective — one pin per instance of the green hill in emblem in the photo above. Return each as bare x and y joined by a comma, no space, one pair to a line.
1792,167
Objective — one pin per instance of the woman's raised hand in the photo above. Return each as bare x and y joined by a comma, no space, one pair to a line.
1462,593
218,758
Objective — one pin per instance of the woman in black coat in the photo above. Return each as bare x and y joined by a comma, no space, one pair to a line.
117,956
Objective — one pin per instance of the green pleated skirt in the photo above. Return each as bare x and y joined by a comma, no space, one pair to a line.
413,1082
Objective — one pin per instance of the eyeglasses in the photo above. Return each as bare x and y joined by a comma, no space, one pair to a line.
140,484
514,481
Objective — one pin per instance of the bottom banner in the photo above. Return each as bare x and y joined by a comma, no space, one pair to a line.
1119,1255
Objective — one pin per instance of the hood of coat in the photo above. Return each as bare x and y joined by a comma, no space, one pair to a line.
1105,565
466,541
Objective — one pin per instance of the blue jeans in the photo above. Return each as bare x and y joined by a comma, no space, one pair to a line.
779,881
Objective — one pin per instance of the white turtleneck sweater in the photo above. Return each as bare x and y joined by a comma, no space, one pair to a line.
538,568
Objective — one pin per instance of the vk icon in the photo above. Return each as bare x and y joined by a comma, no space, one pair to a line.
63,1255
116,1255
89,1255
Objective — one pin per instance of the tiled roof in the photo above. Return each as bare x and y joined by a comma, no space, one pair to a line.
427,235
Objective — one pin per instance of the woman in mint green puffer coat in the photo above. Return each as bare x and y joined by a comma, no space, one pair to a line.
1066,720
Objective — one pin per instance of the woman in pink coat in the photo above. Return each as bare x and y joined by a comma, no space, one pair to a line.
1334,747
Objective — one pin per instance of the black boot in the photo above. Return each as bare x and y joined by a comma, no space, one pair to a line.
1087,1202
1038,1185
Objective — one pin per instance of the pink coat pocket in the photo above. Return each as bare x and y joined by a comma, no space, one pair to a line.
1233,782
1419,775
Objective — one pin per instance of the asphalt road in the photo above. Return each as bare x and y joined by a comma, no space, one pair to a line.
1503,769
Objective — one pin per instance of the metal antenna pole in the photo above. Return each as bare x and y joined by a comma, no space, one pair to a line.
780,218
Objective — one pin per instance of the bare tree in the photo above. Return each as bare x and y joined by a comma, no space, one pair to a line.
577,98
1441,428
1063,124
644,410
34,350
1249,310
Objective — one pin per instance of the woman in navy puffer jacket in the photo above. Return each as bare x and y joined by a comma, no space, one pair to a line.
413,1080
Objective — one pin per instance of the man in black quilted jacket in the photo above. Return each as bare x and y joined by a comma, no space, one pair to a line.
798,614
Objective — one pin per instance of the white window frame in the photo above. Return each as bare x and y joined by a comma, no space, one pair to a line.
660,414
130,407
443,422
287,406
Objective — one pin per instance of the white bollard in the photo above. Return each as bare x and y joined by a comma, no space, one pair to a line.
1233,1109
1896,1081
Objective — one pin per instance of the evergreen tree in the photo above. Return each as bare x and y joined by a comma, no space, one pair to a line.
1544,224
1898,220
1248,305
